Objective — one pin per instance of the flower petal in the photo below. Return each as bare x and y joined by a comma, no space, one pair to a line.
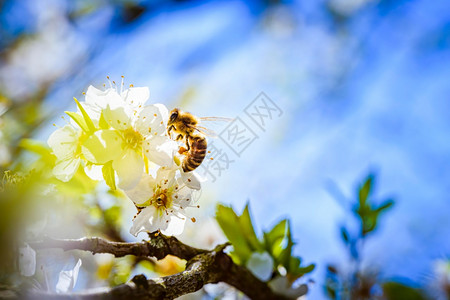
160,149
65,169
143,190
94,171
64,142
166,176
118,118
191,179
261,265
149,121
102,146
164,112
129,169
101,99
175,225
184,195
136,96
149,220
68,279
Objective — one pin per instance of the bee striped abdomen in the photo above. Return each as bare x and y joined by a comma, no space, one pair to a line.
196,153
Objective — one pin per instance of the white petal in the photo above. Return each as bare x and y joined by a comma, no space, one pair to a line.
149,121
149,220
136,96
175,225
261,265
167,175
143,190
101,99
95,96
164,112
129,169
191,179
94,171
65,169
185,196
159,149
102,146
27,261
64,141
118,118
68,279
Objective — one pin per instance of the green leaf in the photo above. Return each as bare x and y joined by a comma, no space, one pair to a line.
79,120
285,255
365,190
87,119
108,175
307,269
102,122
293,264
229,222
273,240
277,232
369,222
249,232
295,268
397,291
385,205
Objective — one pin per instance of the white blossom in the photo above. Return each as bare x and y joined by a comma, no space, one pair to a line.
261,265
68,279
137,133
162,202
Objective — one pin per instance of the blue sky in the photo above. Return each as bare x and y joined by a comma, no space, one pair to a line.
369,92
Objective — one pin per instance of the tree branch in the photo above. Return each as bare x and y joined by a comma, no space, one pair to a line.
202,267
159,246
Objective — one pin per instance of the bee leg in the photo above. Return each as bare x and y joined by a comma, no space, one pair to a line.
169,129
179,137
187,143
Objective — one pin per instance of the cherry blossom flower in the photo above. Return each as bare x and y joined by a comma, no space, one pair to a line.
162,203
135,134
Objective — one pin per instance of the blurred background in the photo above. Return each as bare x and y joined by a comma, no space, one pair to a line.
362,86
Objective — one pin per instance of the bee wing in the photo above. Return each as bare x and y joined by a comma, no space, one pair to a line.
214,119
205,131
215,122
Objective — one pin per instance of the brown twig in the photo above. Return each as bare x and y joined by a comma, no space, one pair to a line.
202,267
159,246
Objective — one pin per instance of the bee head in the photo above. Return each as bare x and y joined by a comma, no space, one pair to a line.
173,115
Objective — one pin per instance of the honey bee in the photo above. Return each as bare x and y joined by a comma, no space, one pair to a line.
185,127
